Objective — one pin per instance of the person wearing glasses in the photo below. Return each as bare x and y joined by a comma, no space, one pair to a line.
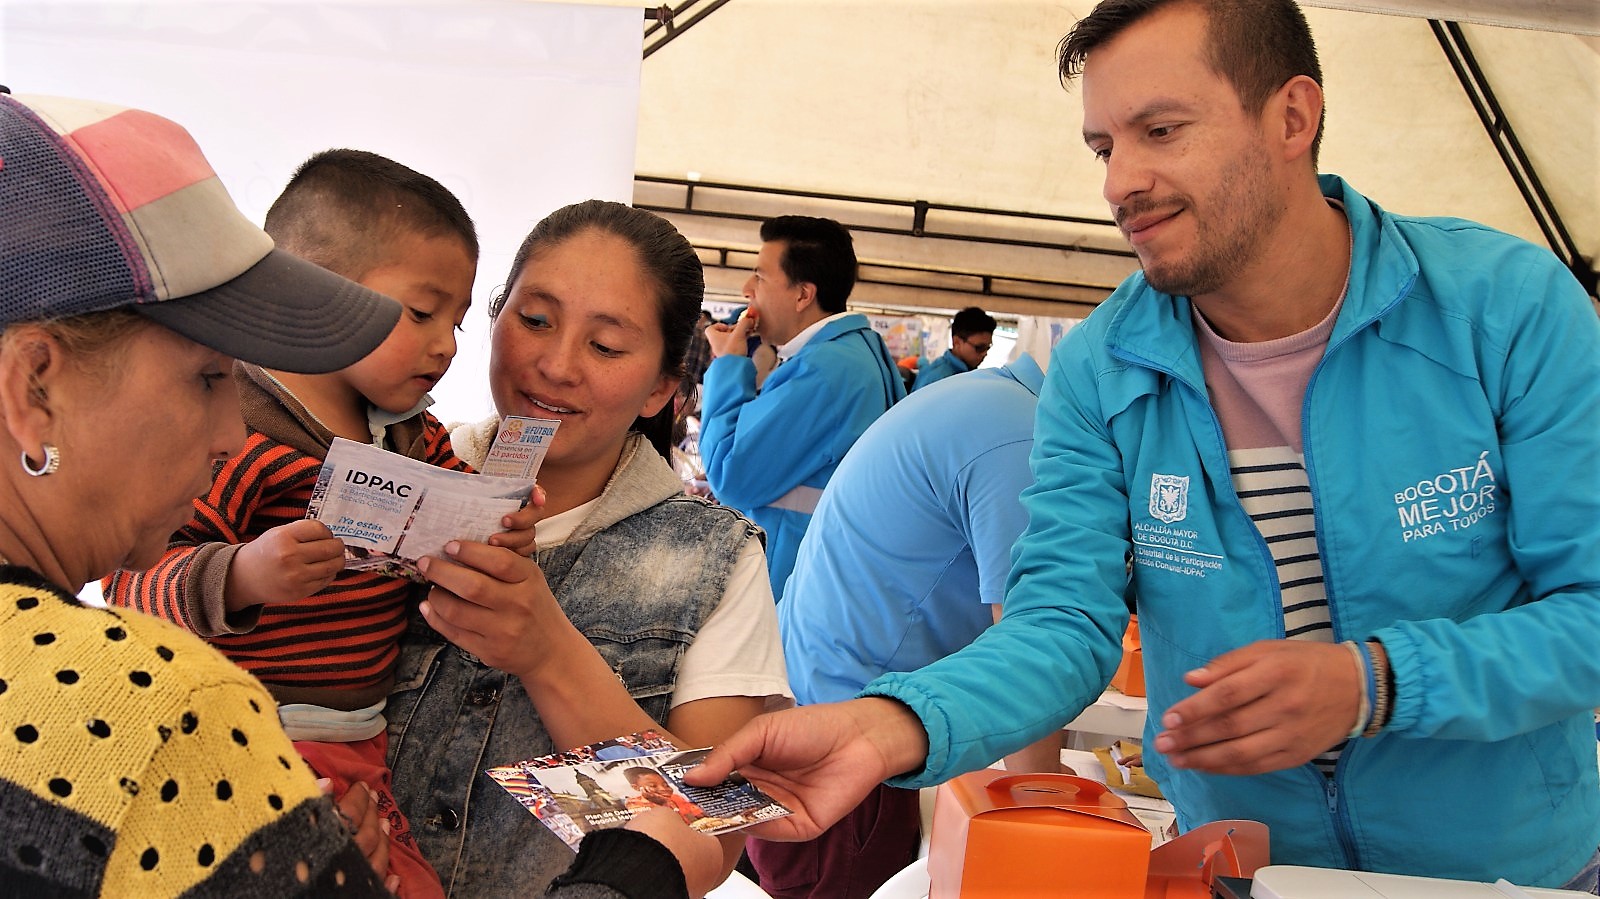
972,334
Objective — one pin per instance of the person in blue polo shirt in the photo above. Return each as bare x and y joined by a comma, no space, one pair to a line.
769,454
905,563
971,336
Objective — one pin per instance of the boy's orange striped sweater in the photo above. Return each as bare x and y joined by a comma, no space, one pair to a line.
336,648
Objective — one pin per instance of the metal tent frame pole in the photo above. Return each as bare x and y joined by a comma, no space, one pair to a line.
1523,174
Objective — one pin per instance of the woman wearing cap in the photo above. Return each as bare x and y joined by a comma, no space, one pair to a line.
135,759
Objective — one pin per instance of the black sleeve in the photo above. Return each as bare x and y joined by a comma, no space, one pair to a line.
625,863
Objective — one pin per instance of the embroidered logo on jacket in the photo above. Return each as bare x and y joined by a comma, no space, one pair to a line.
1169,497
1453,500
1179,550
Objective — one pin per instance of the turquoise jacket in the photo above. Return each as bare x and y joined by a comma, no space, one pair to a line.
1452,441
769,454
939,369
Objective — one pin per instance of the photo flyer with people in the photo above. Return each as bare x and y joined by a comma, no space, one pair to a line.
606,784
391,510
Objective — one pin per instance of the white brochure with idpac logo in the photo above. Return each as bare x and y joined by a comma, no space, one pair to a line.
391,510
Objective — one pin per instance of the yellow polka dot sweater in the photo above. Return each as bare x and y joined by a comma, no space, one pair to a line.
136,761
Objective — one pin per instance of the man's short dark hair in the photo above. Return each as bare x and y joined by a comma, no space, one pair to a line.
1257,45
816,251
346,209
972,320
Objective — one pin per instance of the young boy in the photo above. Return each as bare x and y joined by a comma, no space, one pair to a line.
249,572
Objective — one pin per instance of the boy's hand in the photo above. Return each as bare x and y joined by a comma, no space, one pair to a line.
285,564
519,526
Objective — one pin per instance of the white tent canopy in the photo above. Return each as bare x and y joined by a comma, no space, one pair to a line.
1576,16
958,103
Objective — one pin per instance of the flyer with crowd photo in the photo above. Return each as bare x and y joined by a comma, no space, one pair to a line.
606,784
391,510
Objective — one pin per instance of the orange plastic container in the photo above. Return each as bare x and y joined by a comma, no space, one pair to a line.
1012,836
998,836
1130,673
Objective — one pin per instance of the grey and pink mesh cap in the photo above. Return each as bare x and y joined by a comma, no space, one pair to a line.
103,207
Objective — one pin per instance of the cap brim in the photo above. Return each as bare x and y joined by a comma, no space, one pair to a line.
283,313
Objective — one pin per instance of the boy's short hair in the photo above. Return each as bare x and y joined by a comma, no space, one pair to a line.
345,210
972,320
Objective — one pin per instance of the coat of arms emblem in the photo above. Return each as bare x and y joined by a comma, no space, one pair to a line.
1169,497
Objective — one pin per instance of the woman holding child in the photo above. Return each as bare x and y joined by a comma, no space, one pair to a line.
642,607
135,760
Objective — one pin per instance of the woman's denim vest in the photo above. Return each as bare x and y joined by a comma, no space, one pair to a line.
640,590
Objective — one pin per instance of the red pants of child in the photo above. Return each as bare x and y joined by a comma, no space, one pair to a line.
348,763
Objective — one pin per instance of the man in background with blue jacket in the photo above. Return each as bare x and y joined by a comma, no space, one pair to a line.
1354,458
769,454
971,336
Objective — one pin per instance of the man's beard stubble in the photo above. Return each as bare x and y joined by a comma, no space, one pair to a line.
1237,217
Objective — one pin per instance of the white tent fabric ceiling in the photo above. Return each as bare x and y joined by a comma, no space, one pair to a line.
958,103
1576,16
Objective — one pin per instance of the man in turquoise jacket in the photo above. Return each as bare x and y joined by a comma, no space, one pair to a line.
769,454
1402,679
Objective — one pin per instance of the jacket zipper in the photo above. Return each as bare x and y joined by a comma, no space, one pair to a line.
1338,813
1330,785
1275,589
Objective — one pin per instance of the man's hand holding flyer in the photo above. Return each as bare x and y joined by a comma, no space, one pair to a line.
391,510
606,784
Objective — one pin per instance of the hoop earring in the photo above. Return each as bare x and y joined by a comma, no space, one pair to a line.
51,464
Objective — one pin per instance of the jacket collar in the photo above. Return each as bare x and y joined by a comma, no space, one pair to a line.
1383,266
956,362
823,329
271,410
1158,329
1025,371
641,480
